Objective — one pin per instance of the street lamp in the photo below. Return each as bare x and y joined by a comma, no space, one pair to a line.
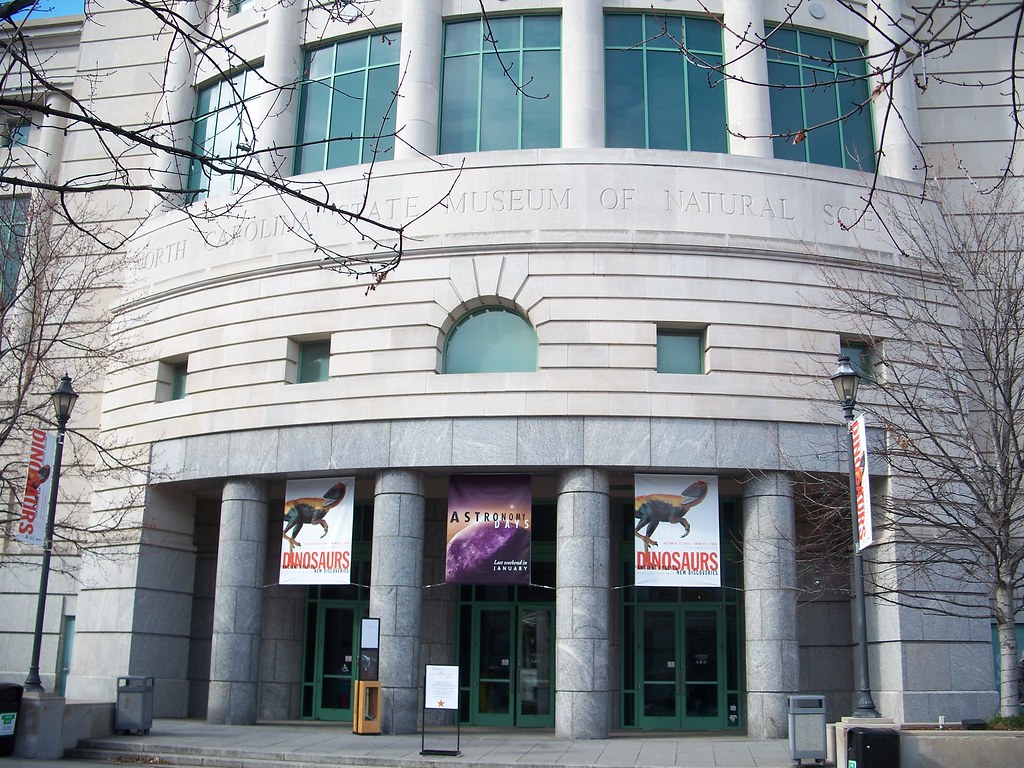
64,398
846,382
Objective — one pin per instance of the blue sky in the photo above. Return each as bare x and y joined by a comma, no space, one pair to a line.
56,8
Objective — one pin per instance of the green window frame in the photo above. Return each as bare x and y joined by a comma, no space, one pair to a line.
237,6
483,107
222,130
680,351
13,233
491,340
656,97
314,362
347,103
818,90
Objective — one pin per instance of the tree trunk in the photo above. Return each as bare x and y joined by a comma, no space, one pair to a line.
1009,693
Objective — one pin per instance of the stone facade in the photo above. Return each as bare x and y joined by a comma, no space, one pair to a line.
598,248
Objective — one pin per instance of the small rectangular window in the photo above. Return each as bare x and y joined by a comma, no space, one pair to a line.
862,356
314,361
680,351
172,380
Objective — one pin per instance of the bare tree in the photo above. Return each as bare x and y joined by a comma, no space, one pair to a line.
53,319
160,158
944,328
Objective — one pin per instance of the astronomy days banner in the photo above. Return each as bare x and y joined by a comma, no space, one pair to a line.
678,542
317,538
489,536
36,504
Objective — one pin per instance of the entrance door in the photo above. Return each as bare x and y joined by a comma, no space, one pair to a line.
680,664
336,645
512,666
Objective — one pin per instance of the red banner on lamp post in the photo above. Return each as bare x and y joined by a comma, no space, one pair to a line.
861,483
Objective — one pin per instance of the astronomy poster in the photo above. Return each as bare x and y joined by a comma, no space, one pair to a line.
316,546
489,536
678,542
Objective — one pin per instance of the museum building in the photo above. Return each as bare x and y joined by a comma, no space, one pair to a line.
611,270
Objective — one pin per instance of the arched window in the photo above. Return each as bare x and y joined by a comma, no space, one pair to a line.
491,340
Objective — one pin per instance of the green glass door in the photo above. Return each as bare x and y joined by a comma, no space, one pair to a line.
512,666
336,645
680,664
535,702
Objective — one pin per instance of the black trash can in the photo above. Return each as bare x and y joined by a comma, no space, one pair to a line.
10,705
873,748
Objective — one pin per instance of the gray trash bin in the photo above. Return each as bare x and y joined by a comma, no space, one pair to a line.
134,705
807,728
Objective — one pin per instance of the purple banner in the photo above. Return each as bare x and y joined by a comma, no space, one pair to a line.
489,520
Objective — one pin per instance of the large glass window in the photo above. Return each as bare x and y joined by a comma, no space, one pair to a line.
13,223
347,103
819,96
223,129
501,86
657,97
491,340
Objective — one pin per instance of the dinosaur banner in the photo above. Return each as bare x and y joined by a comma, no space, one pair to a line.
36,503
678,543
489,536
317,539
861,482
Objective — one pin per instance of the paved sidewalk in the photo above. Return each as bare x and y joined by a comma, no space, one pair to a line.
199,743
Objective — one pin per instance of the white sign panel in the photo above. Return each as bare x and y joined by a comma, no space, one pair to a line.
865,537
441,690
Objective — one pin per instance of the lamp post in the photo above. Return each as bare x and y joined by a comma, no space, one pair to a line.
64,398
846,382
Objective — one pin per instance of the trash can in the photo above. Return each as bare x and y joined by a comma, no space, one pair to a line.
807,728
873,748
134,705
10,704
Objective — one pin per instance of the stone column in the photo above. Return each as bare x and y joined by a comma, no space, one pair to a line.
170,171
582,74
746,63
420,67
276,111
894,111
769,581
238,603
396,583
50,147
582,612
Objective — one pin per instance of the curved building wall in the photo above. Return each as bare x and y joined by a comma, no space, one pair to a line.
598,248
